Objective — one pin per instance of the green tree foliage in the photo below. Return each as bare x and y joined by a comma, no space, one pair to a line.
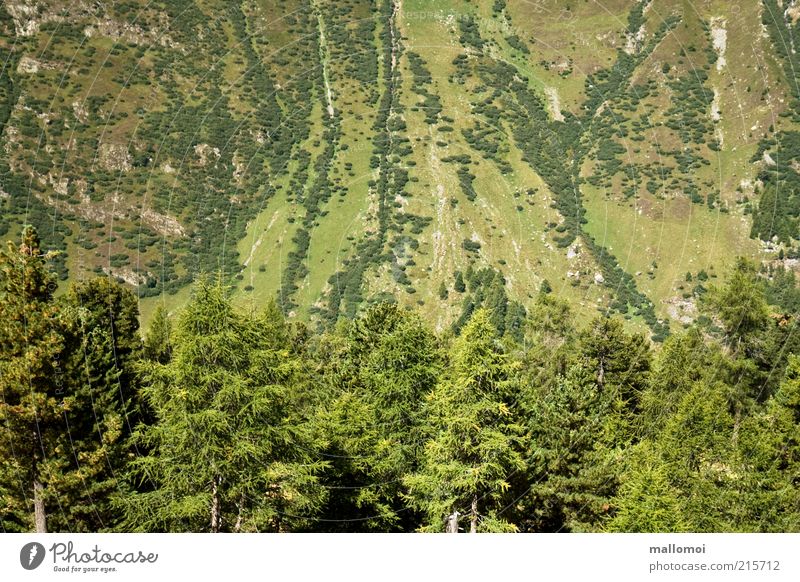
104,341
388,363
785,409
231,449
31,384
102,346
248,423
619,360
66,384
570,454
550,322
647,501
459,282
741,308
474,446
769,454
487,289
443,292
158,341
684,360
706,463
685,478
696,447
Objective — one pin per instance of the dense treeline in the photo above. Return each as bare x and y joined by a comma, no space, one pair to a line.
222,419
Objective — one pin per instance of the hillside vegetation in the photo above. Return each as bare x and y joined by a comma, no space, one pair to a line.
331,155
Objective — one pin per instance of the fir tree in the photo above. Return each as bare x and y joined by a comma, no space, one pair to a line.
621,360
647,502
768,447
683,360
549,340
696,446
741,309
389,364
158,341
102,345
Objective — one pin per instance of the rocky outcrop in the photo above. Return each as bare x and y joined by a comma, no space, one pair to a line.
31,66
114,157
30,15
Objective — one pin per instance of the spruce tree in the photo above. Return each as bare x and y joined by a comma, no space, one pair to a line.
621,361
572,454
102,345
647,502
784,408
549,340
683,360
697,449
621,365
769,456
741,308
157,342
105,344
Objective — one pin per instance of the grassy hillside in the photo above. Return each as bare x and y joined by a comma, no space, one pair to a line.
332,154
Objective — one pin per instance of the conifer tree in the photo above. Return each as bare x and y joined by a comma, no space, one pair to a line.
157,342
549,340
474,446
683,360
768,495
741,308
620,360
67,385
390,363
105,344
459,284
33,396
231,449
102,345
647,502
697,449
784,408
621,364
571,455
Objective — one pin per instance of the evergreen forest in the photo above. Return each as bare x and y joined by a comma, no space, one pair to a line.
221,418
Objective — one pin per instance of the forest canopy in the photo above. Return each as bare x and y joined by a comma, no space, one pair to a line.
221,418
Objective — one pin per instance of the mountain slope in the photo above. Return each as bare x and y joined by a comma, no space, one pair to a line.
331,154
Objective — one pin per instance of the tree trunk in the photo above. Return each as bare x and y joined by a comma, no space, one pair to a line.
452,523
39,514
216,515
473,515
238,526
601,373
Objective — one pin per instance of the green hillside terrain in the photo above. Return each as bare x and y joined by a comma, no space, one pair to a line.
440,154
